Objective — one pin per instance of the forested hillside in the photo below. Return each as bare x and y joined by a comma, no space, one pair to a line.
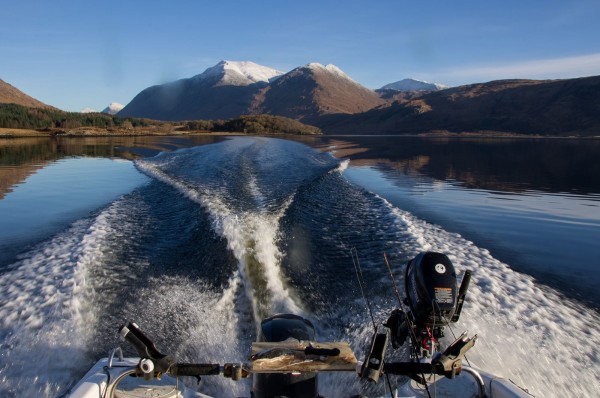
20,117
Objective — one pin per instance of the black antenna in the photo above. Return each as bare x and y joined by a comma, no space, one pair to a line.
462,292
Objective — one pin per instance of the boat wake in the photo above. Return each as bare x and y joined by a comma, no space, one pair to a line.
241,214
48,307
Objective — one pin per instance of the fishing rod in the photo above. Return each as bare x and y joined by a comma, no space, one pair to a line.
359,276
373,365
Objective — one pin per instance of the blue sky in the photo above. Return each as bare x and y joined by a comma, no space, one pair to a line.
77,54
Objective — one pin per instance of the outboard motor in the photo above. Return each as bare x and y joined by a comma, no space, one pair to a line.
282,327
432,298
431,289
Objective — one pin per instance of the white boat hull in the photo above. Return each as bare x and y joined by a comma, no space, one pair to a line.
465,385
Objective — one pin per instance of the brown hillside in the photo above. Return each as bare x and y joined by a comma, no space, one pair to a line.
12,95
557,107
309,92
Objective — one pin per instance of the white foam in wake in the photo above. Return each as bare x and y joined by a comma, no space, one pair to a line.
252,237
45,315
343,165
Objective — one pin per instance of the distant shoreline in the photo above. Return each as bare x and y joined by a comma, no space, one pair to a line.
99,132
152,131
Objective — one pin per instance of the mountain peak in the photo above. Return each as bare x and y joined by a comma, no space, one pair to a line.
239,73
330,68
113,108
413,85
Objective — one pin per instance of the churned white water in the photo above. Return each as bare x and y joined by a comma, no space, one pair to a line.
252,237
47,310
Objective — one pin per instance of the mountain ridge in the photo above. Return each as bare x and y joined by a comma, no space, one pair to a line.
230,89
517,106
325,96
414,85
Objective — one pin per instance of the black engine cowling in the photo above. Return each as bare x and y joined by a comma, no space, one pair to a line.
431,289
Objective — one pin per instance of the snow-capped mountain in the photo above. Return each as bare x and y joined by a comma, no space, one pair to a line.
230,89
330,68
238,73
113,108
88,110
413,85
313,90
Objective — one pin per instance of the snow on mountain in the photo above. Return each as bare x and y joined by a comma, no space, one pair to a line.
230,89
88,110
239,73
113,108
413,85
330,68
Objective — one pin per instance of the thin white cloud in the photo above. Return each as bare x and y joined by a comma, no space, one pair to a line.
554,68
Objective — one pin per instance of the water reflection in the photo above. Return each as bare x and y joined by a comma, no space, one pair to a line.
501,164
22,157
534,203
